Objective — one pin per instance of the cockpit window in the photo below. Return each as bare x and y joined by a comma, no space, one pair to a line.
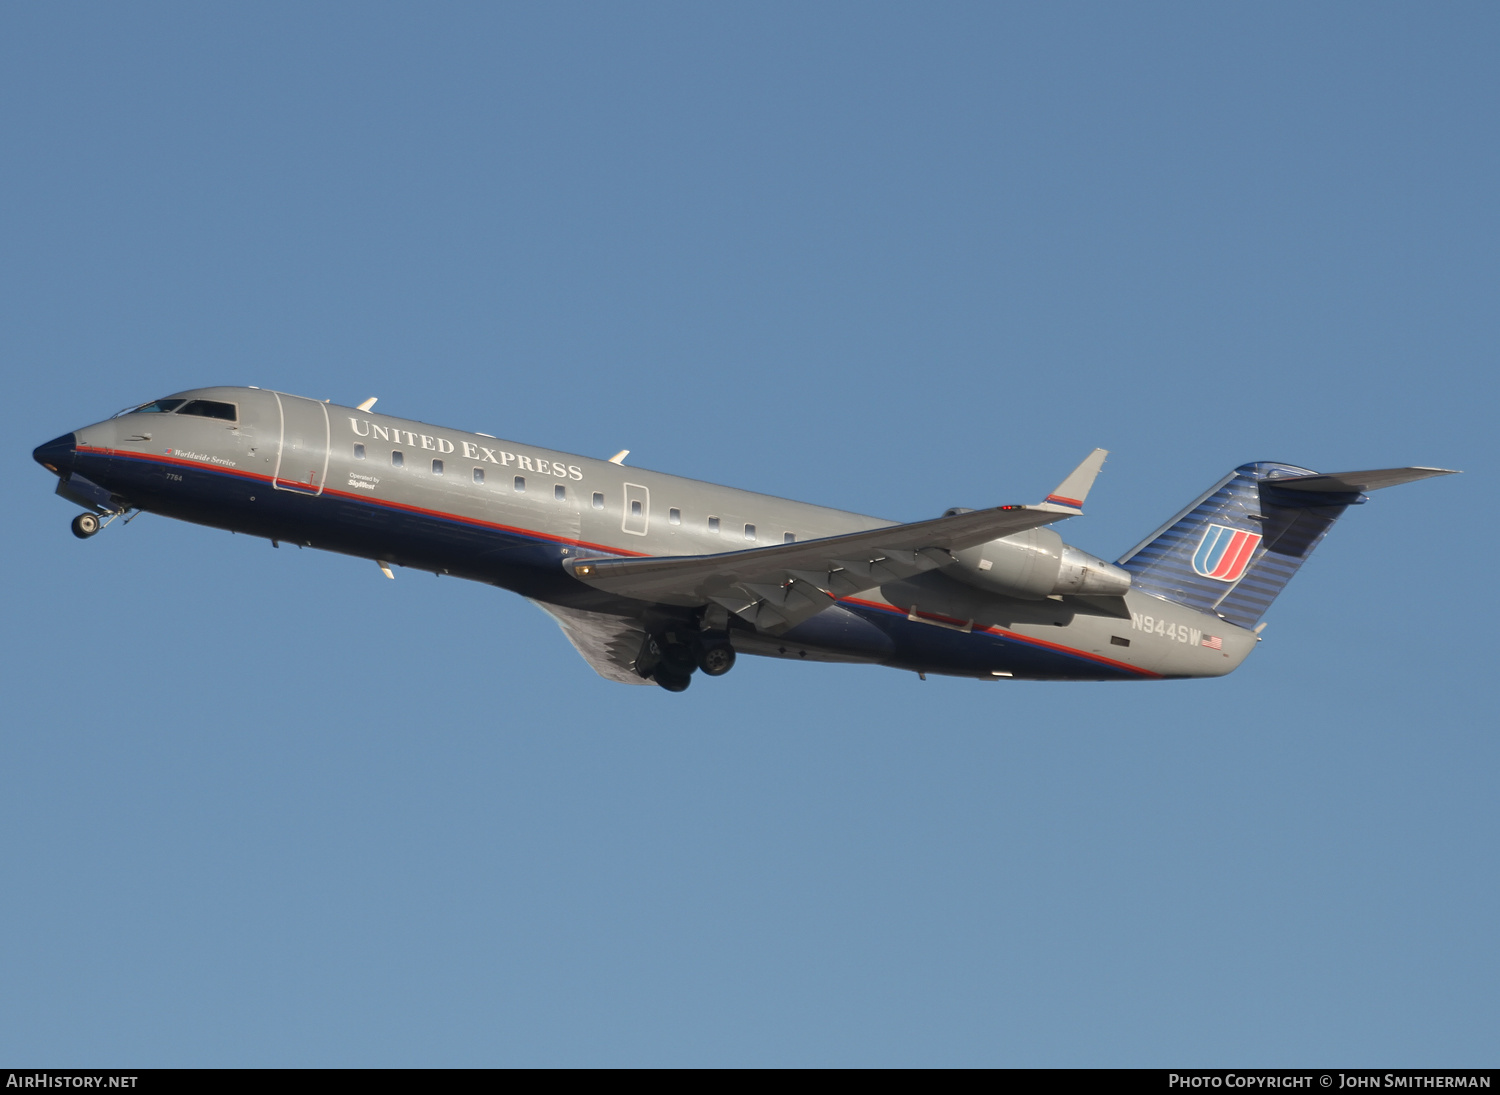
161,406
208,408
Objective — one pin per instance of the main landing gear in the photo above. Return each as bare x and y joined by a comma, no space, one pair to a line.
670,657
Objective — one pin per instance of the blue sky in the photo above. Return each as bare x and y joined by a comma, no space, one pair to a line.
265,807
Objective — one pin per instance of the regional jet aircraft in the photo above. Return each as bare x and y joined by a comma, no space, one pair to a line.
653,577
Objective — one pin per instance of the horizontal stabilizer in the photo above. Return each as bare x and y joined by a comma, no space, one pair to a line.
1346,482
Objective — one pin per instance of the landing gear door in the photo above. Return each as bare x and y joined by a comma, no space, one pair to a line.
302,456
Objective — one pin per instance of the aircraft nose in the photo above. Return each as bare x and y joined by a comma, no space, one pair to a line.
58,453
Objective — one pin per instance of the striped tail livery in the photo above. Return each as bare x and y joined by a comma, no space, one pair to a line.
1234,549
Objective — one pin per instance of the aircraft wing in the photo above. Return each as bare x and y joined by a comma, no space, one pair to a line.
608,643
776,587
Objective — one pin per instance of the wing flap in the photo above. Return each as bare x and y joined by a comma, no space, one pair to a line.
608,643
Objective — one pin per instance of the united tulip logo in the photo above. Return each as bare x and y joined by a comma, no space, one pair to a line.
1225,553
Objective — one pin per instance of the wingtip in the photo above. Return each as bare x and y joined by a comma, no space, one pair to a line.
1074,490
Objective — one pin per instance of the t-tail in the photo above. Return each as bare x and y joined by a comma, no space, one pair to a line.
1234,549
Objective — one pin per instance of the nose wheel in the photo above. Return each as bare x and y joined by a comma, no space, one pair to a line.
86,524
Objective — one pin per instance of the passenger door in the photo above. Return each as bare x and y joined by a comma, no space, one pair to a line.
302,455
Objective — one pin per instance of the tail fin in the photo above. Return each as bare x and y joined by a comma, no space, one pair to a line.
1234,549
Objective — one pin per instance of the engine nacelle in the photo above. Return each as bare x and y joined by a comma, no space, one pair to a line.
1036,564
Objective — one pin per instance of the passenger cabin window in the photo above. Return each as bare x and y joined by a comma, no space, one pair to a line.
788,537
397,460
359,451
749,532
713,524
161,406
674,516
479,476
209,408
520,484
560,492
437,467
598,500
635,508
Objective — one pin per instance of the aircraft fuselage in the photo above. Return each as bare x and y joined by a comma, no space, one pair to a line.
408,494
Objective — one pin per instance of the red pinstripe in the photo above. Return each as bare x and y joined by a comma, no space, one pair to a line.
365,498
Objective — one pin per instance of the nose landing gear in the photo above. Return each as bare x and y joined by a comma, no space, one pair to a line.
87,524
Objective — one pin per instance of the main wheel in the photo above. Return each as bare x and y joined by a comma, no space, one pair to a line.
677,660
647,661
85,525
716,659
673,682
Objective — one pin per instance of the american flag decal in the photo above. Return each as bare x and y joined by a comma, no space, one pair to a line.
1213,642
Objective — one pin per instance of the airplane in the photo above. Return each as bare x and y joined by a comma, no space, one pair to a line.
654,577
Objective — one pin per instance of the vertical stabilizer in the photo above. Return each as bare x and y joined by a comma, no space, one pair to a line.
1234,549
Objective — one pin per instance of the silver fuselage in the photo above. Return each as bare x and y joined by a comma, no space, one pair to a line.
509,513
